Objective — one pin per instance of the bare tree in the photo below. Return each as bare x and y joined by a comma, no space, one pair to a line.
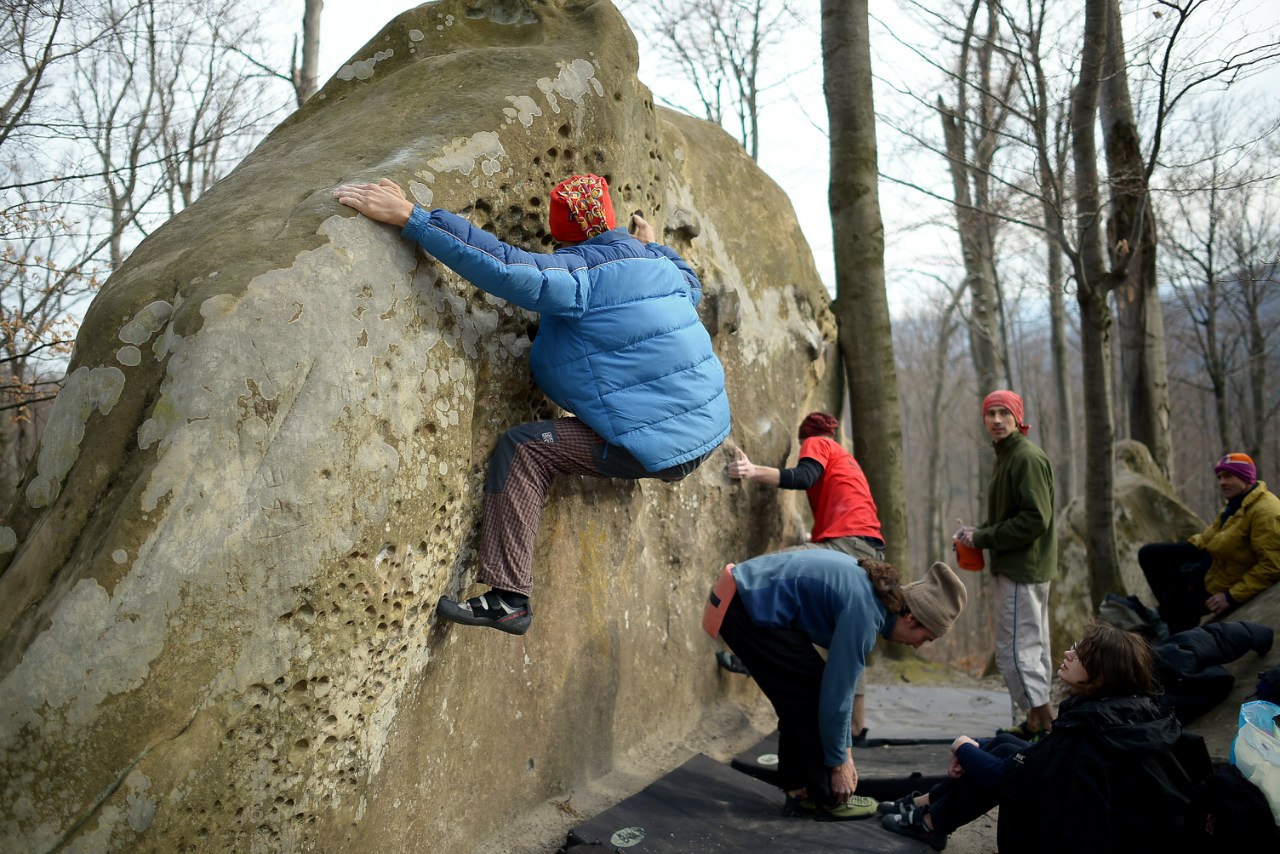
971,131
1045,115
718,47
304,74
1223,242
861,305
1092,288
937,527
1131,237
117,113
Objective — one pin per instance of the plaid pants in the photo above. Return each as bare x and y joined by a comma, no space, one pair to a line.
524,463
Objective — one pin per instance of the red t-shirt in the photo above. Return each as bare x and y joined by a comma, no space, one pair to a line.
841,500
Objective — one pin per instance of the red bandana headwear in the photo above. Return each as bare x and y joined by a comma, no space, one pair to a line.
580,208
1009,401
818,424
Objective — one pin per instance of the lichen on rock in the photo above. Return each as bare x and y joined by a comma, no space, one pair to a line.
218,588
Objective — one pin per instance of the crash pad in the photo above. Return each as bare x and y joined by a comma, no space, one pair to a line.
887,769
704,807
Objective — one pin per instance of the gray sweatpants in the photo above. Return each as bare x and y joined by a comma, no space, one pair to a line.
1022,642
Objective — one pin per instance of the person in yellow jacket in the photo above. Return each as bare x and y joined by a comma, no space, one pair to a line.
1226,564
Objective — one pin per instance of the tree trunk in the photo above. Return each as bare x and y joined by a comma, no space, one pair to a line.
305,80
1051,169
935,527
971,134
1132,239
976,250
1095,315
861,305
1065,428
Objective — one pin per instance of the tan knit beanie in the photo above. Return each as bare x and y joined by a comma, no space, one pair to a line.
937,599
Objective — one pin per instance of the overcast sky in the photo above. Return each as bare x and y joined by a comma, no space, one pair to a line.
793,144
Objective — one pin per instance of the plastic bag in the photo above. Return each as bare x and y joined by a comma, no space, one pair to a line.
1256,750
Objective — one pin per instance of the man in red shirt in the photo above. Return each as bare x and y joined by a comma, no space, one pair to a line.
844,513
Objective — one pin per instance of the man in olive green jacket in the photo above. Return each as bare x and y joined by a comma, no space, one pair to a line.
1020,538
1226,564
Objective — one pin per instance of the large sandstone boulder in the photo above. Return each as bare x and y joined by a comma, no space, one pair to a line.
217,602
1147,510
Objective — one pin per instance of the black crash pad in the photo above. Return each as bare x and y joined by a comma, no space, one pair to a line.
888,769
704,807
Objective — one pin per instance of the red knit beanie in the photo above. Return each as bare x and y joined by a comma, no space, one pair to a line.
1009,401
818,424
580,208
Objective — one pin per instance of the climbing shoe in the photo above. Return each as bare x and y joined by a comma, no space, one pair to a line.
797,807
915,828
489,610
903,807
855,808
729,661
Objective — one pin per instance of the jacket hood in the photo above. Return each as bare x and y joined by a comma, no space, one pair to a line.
1120,723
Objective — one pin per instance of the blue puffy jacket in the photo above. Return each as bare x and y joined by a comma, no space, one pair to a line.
620,344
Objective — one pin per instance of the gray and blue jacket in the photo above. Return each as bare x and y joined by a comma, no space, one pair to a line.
620,344
827,596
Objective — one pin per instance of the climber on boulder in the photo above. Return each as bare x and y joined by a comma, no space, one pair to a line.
620,346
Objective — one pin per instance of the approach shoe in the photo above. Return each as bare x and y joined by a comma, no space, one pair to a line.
487,610
857,807
915,828
797,807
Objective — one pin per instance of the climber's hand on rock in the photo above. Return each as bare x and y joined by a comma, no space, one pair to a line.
741,468
641,229
383,201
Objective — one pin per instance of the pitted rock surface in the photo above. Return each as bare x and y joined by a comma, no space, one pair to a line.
219,577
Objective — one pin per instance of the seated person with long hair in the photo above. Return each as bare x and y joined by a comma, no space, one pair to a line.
1105,779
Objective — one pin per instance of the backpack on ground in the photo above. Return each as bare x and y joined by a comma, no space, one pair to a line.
1231,815
1269,685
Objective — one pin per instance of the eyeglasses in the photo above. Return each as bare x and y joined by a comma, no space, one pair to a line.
1073,651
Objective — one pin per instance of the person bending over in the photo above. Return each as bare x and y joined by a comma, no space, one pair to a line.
844,513
772,611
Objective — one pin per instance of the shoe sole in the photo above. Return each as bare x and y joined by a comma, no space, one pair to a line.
791,809
890,824
514,625
828,815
